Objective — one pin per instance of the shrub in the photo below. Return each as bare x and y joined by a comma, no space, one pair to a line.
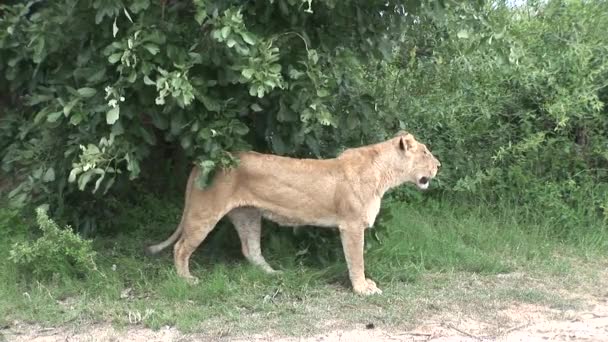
513,102
57,252
509,98
102,93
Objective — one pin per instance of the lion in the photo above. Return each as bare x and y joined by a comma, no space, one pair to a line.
343,192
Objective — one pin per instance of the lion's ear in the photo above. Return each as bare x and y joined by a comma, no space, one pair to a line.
406,142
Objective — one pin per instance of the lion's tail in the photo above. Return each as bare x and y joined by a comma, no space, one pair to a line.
154,249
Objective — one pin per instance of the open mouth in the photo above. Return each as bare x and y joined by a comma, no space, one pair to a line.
423,183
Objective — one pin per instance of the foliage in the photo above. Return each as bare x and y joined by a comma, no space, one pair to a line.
57,252
98,87
511,99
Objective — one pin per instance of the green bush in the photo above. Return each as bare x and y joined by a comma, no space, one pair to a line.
511,99
57,252
103,92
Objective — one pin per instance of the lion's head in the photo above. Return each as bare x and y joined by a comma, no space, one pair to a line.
414,162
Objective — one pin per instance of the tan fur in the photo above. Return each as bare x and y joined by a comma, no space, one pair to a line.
343,192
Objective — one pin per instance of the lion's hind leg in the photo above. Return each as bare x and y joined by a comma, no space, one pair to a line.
248,224
196,225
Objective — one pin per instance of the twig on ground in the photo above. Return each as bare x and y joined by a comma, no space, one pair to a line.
452,326
521,326
426,336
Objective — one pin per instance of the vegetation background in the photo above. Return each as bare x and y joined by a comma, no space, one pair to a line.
105,105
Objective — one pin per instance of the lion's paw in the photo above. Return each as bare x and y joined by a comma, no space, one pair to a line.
367,288
192,280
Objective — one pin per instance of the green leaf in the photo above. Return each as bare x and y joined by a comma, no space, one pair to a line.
295,74
112,115
13,61
97,76
322,92
186,142
148,137
200,16
275,68
76,119
133,168
239,128
37,98
463,34
285,114
352,123
253,90
138,5
270,83
205,133
216,34
178,122
207,167
115,57
16,190
313,56
231,42
225,31
132,76
37,173
18,200
248,38
38,54
87,92
260,92
148,81
256,107
242,50
117,129
98,182
247,73
114,28
278,145
68,107
201,13
84,179
162,71
52,117
128,17
313,144
93,149
109,184
49,175
211,103
152,49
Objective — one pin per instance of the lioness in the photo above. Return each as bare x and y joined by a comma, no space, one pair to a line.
343,192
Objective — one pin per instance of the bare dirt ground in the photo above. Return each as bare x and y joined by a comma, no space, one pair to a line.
519,322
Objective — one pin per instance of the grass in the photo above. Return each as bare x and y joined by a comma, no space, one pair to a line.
431,258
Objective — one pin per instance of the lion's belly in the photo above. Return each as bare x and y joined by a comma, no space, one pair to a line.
286,220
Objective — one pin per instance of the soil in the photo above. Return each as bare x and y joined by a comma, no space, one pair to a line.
518,322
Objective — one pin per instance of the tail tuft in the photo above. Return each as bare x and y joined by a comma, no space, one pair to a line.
152,250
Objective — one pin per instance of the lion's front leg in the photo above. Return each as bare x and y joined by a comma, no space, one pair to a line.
352,243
